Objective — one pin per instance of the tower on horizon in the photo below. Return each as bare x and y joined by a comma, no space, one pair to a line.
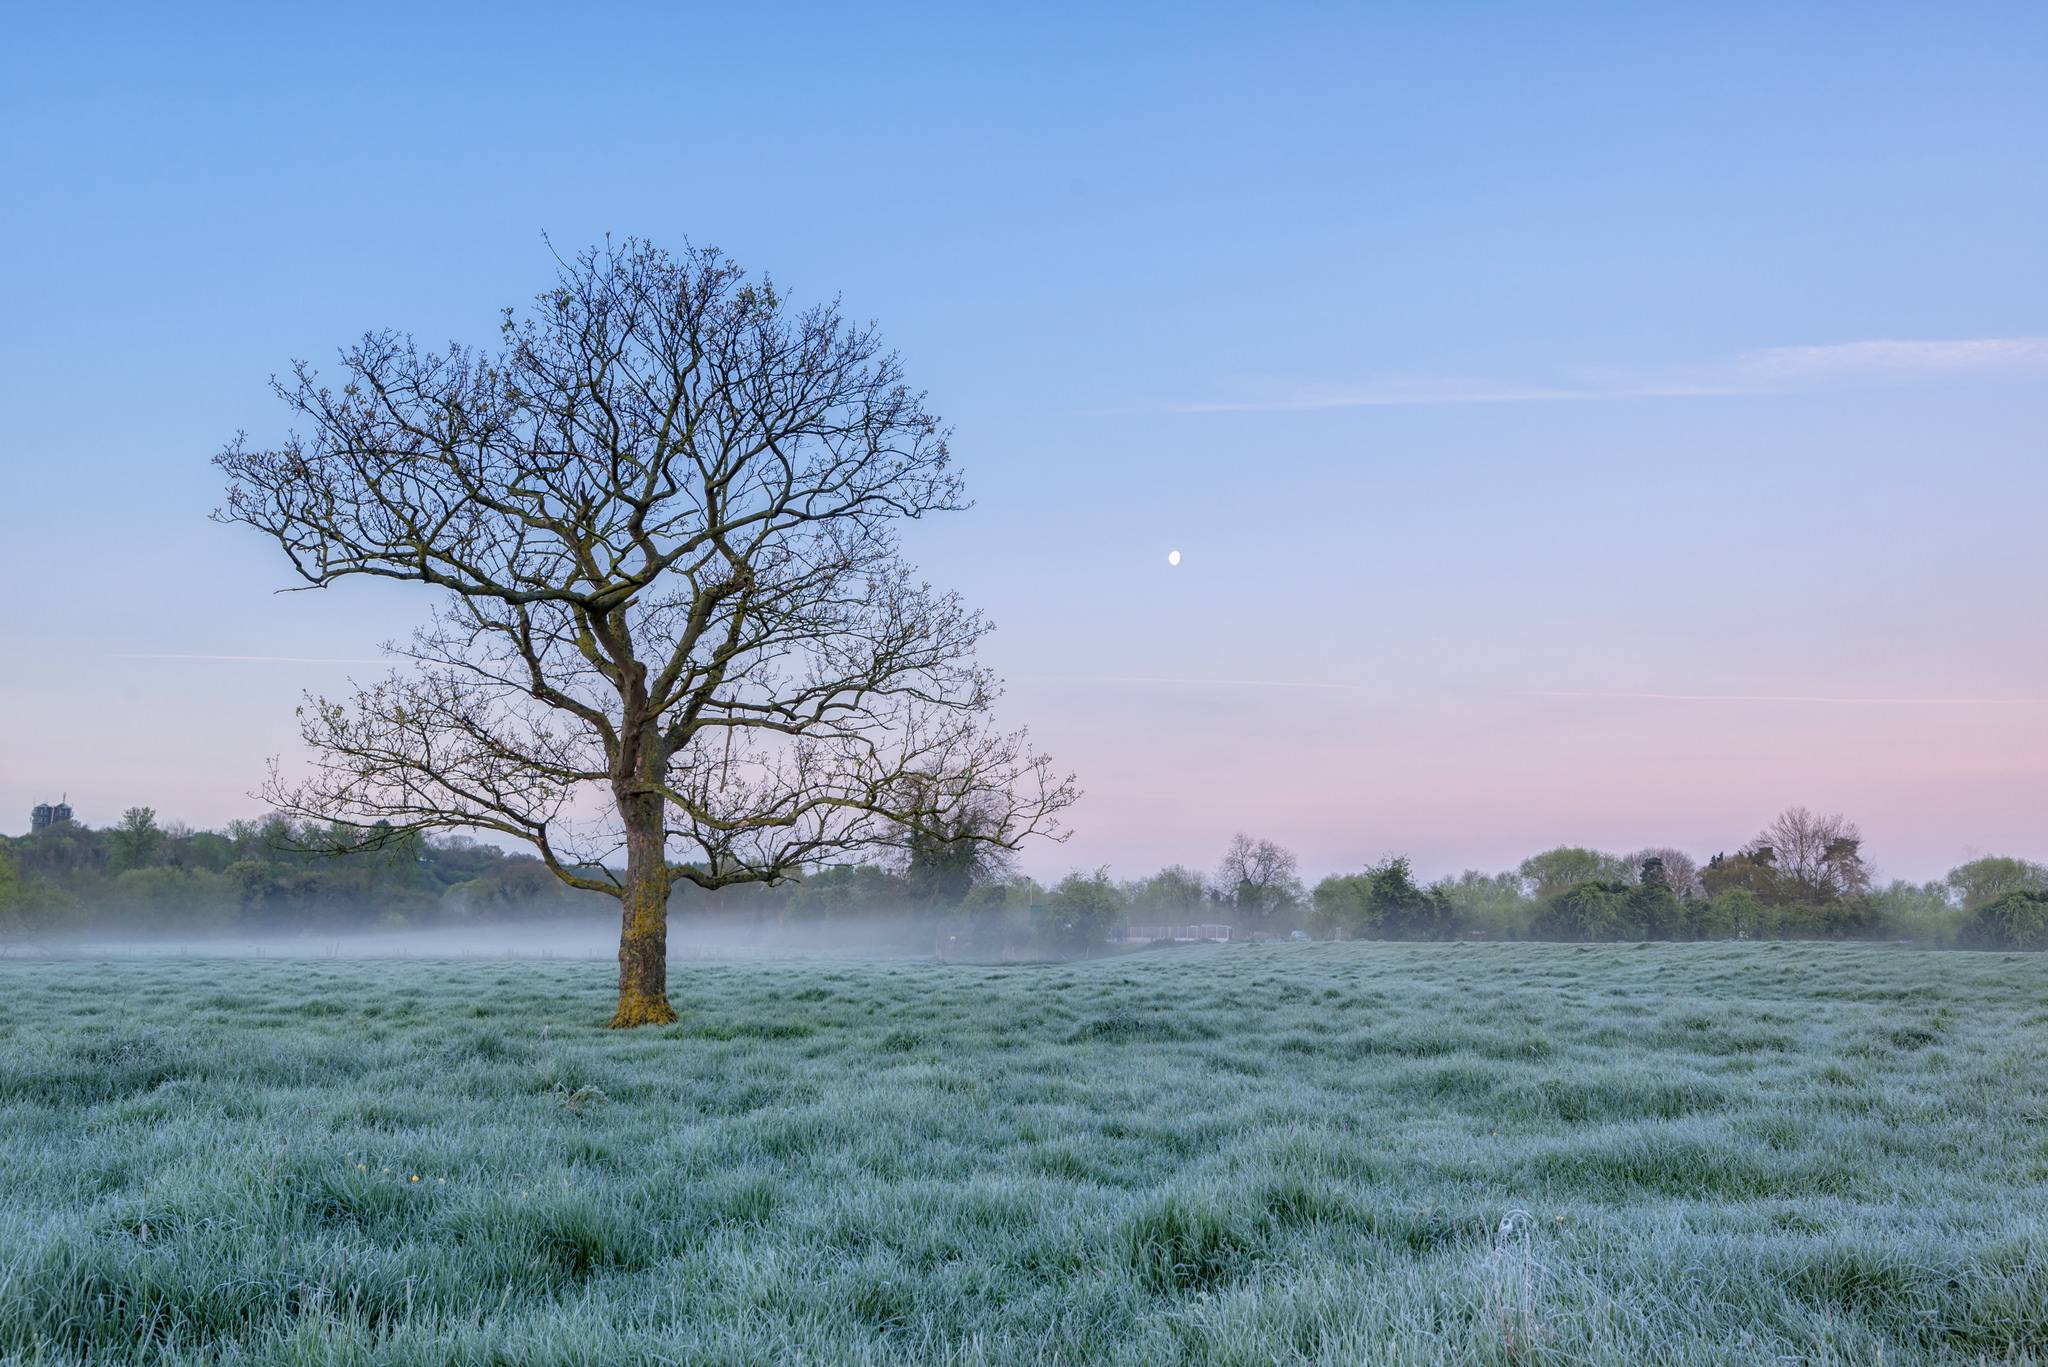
47,814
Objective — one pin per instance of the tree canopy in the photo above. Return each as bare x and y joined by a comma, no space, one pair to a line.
674,635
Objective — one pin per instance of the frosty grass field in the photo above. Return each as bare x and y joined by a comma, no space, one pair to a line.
1339,1153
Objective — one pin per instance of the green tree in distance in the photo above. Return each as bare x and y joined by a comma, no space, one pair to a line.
1546,875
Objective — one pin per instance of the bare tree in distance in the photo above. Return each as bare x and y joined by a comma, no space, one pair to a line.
1814,858
1681,870
1259,878
673,622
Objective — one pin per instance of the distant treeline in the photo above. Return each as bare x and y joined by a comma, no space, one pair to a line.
1802,877
263,875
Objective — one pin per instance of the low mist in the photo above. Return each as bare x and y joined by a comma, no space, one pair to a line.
905,936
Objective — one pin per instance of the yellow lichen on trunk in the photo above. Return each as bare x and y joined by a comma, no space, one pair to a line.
643,957
643,926
636,1009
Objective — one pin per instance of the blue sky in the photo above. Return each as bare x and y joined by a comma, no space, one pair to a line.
1491,367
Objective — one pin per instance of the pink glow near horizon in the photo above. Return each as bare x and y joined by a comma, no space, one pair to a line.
1482,782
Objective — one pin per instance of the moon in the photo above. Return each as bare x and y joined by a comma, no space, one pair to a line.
1173,557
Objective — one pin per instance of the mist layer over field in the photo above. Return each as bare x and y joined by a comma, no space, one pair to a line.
1243,1153
594,938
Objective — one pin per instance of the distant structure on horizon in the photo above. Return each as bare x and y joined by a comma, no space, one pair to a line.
1151,934
47,814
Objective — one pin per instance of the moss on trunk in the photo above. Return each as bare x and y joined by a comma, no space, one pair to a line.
643,932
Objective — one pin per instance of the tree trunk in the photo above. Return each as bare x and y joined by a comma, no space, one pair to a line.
643,932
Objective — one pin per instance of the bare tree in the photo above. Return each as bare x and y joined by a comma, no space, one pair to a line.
1681,870
1259,878
673,623
1813,858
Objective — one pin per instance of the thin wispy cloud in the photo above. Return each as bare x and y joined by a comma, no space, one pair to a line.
1149,680
1767,370
2018,355
1824,698
1611,695
1402,393
255,659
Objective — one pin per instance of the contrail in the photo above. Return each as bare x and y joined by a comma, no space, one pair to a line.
1191,683
257,659
1766,370
1786,697
1550,692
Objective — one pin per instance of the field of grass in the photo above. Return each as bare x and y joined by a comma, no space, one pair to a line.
1347,1153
